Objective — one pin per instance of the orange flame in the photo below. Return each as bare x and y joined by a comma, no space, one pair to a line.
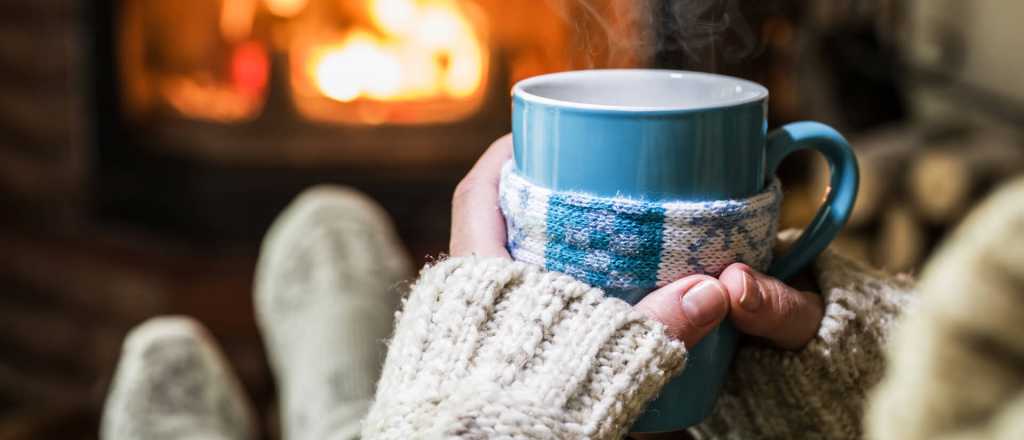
416,49
285,8
236,19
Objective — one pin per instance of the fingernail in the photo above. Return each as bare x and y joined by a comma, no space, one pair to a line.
704,303
751,299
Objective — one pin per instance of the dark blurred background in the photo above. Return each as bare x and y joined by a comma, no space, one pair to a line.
146,145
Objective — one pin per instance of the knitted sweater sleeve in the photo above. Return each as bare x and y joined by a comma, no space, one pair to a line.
486,347
820,390
956,366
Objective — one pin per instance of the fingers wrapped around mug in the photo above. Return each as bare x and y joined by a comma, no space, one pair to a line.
478,227
766,307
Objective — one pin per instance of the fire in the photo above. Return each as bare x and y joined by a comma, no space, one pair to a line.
285,8
414,50
359,66
236,19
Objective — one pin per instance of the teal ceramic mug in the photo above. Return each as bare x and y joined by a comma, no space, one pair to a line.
673,136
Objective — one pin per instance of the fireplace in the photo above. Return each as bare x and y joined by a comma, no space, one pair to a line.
226,108
400,62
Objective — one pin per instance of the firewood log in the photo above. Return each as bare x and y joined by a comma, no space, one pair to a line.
881,155
946,181
855,246
799,205
901,241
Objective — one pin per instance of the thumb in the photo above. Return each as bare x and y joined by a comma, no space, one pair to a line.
689,308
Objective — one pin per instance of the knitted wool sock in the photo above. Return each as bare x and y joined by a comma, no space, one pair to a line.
490,348
620,243
325,297
173,383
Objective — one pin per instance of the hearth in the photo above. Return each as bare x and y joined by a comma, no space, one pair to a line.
215,113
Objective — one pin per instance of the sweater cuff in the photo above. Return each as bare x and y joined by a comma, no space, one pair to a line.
488,346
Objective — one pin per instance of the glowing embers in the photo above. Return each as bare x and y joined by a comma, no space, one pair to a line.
345,61
199,59
402,61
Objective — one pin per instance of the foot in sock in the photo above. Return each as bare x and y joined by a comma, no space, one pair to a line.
173,383
326,292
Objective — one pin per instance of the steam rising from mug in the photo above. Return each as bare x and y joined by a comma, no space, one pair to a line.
679,33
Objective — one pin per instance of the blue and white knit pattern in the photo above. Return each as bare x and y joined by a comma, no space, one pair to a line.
622,243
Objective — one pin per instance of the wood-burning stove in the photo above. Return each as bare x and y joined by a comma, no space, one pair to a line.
225,109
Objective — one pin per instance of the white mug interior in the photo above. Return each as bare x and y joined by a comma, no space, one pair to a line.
639,90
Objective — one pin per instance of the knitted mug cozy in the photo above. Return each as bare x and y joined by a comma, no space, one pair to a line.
623,243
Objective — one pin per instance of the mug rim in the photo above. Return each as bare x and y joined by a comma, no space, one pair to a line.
519,91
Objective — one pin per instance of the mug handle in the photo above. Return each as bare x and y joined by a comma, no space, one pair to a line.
841,193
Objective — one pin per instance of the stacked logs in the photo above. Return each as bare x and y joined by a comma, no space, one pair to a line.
916,184
43,109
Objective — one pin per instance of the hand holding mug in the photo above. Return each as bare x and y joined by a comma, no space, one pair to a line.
690,307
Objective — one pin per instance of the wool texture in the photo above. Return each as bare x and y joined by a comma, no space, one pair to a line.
172,382
623,243
957,365
490,348
819,391
325,296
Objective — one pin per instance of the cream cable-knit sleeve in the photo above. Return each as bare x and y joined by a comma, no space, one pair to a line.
487,347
